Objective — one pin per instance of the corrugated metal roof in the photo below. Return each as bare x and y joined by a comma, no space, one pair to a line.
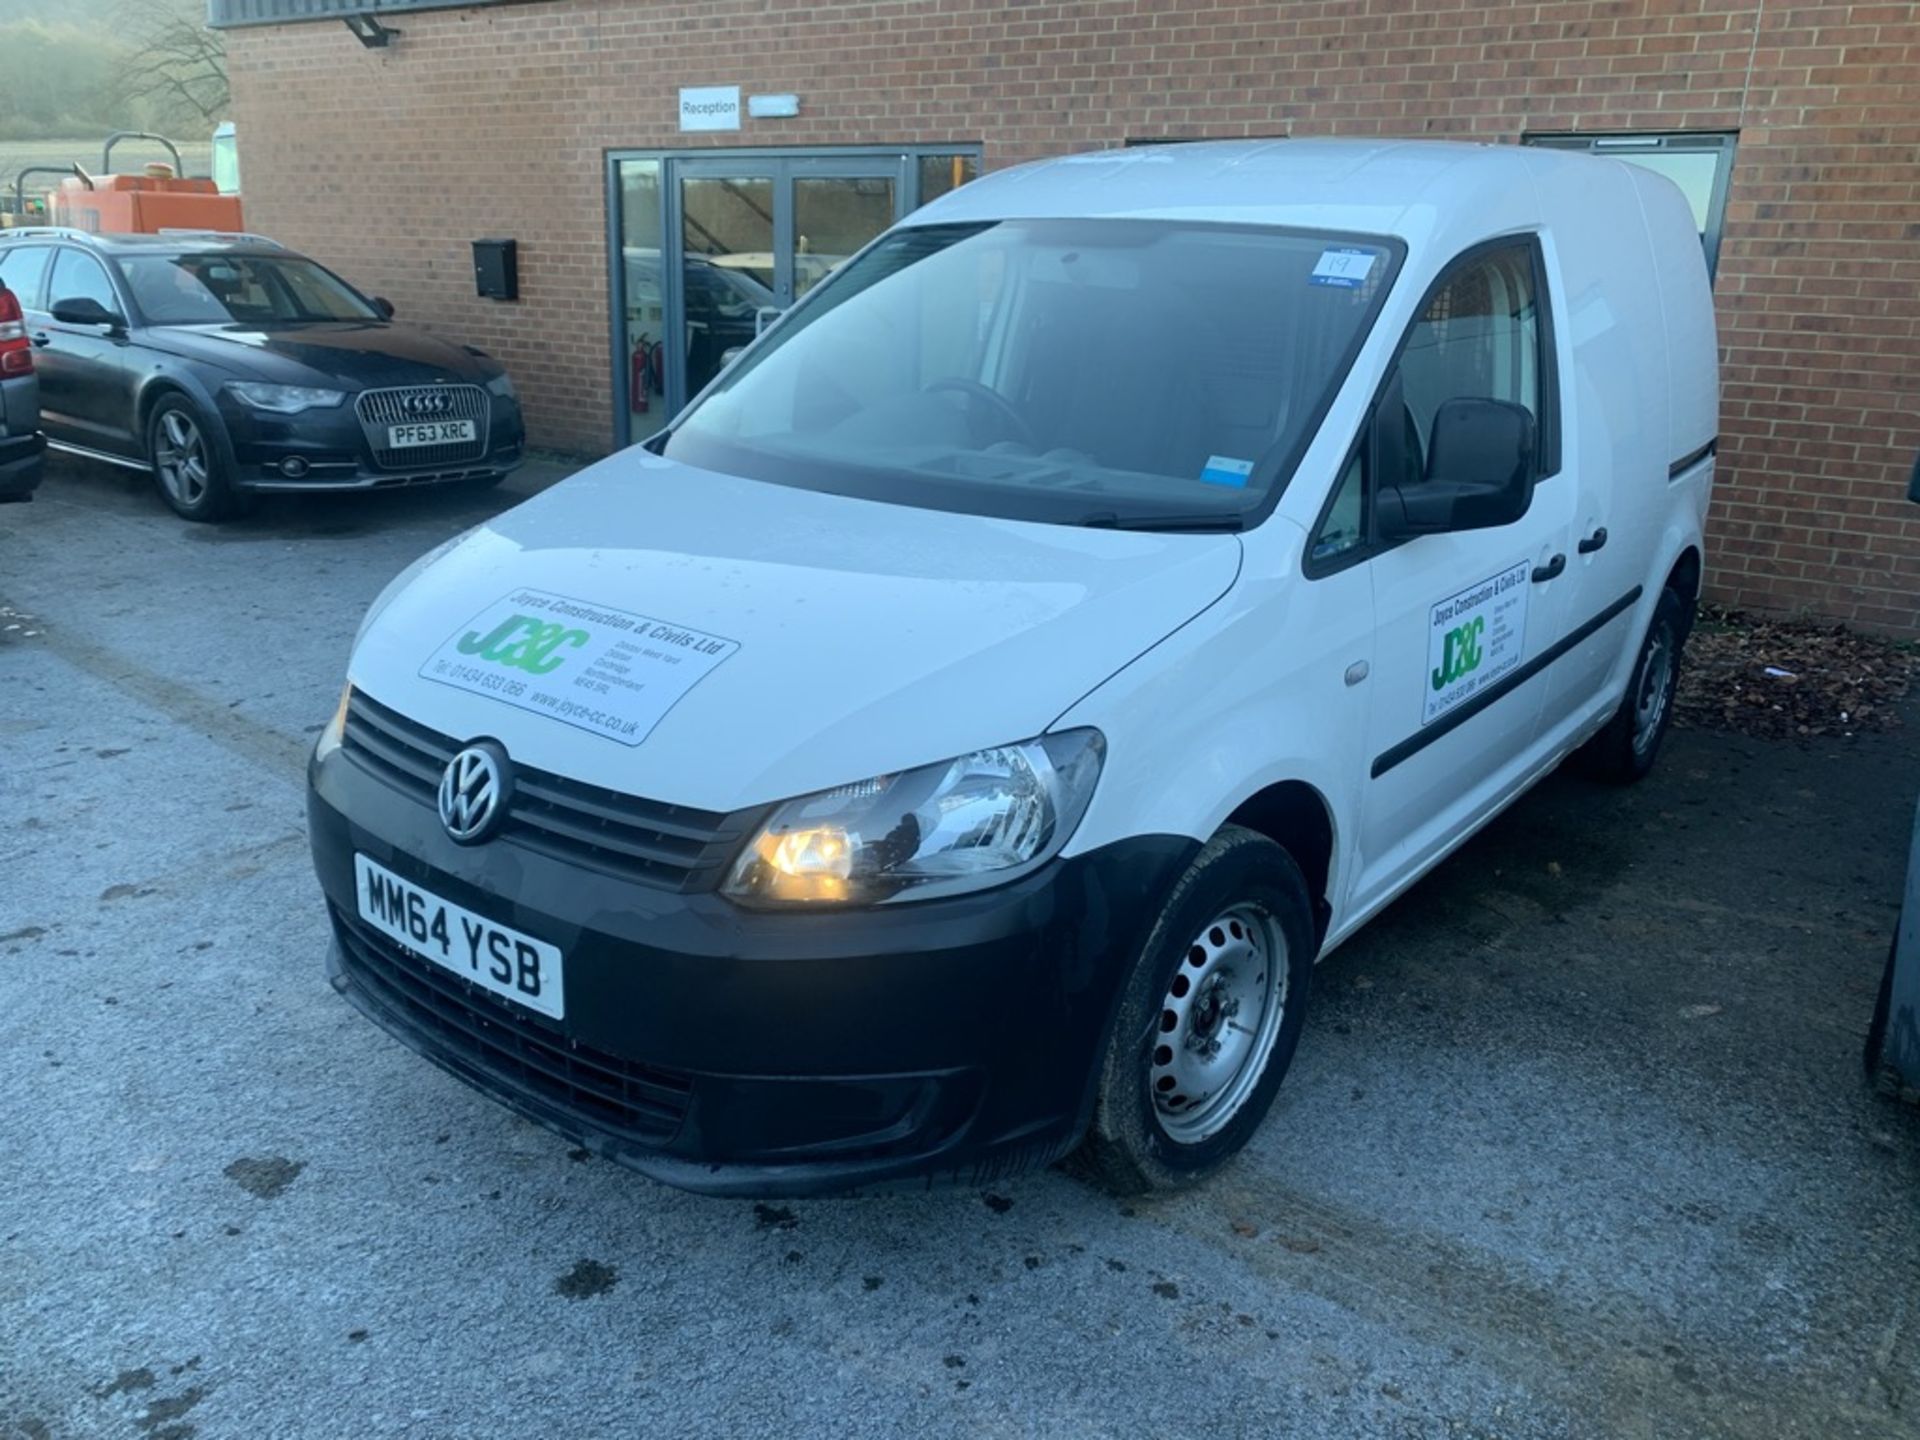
226,14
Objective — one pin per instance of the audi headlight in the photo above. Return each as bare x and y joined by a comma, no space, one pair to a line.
284,399
501,385
967,824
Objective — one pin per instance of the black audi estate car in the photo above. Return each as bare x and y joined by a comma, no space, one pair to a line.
226,365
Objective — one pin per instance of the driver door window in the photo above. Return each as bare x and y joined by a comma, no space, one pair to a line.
1479,335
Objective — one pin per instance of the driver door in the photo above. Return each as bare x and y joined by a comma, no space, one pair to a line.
1454,720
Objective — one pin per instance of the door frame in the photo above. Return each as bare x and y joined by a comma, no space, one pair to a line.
899,163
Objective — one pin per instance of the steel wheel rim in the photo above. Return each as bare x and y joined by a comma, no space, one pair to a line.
1218,1022
1656,691
180,456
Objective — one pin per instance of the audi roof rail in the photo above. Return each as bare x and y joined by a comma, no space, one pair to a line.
246,236
57,232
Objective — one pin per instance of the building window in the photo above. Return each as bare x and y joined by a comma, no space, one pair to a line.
941,173
1700,164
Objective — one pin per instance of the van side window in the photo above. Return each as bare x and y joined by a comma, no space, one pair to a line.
1343,529
1480,337
1481,334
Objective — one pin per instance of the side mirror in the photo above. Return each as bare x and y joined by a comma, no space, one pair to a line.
731,354
1479,472
84,310
384,306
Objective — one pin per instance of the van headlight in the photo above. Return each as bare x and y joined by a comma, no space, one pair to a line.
335,729
966,824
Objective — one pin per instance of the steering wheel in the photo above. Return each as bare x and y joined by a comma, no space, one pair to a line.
1011,420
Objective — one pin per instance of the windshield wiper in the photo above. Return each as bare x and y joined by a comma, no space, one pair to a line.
1112,520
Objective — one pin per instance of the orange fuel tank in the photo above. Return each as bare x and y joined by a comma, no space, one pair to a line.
142,204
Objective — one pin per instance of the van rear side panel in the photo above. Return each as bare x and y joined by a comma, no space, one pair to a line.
1686,303
1615,396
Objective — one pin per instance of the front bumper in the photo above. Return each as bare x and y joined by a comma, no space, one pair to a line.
22,462
753,1053
329,449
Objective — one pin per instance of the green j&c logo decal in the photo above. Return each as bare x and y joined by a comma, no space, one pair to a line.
1462,653
524,643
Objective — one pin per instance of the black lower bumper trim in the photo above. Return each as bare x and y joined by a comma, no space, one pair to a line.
739,1052
635,1103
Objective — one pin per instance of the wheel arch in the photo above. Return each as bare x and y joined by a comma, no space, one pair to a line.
1297,818
1685,580
156,389
172,381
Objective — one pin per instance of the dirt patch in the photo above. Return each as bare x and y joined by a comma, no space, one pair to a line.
266,1178
587,1279
1790,679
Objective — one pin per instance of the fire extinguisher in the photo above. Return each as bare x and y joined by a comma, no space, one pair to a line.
639,370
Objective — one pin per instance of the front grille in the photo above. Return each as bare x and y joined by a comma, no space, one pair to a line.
672,846
449,1018
421,404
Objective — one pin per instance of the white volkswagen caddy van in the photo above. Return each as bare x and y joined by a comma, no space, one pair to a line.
955,739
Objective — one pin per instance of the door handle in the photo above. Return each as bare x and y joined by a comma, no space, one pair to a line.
1546,572
42,339
1594,541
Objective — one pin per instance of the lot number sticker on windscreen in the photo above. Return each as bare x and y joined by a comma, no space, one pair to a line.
1473,638
608,671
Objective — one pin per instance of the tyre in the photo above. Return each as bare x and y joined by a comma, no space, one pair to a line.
189,464
1208,1021
1626,749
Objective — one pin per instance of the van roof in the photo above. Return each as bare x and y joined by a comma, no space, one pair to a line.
1362,185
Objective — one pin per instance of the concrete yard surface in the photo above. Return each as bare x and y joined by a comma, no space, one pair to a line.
1576,1144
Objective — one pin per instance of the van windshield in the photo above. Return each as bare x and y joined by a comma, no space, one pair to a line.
1120,372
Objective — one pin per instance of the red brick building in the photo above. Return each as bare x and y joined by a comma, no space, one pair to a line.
386,144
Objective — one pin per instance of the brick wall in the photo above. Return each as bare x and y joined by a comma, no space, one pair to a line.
492,121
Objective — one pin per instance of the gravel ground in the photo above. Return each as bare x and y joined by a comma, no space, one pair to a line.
1576,1143
1791,679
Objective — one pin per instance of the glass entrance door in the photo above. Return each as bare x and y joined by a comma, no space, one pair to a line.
725,253
748,237
838,206
707,247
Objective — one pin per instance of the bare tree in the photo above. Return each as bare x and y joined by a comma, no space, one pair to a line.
172,60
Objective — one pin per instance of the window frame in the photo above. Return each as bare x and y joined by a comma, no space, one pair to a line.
1624,144
1547,464
106,268
32,302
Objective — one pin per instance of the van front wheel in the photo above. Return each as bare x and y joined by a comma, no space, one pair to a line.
1209,1020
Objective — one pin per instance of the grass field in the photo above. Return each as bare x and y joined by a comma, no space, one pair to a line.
128,156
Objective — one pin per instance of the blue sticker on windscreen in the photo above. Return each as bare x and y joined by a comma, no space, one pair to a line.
1344,266
1225,470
